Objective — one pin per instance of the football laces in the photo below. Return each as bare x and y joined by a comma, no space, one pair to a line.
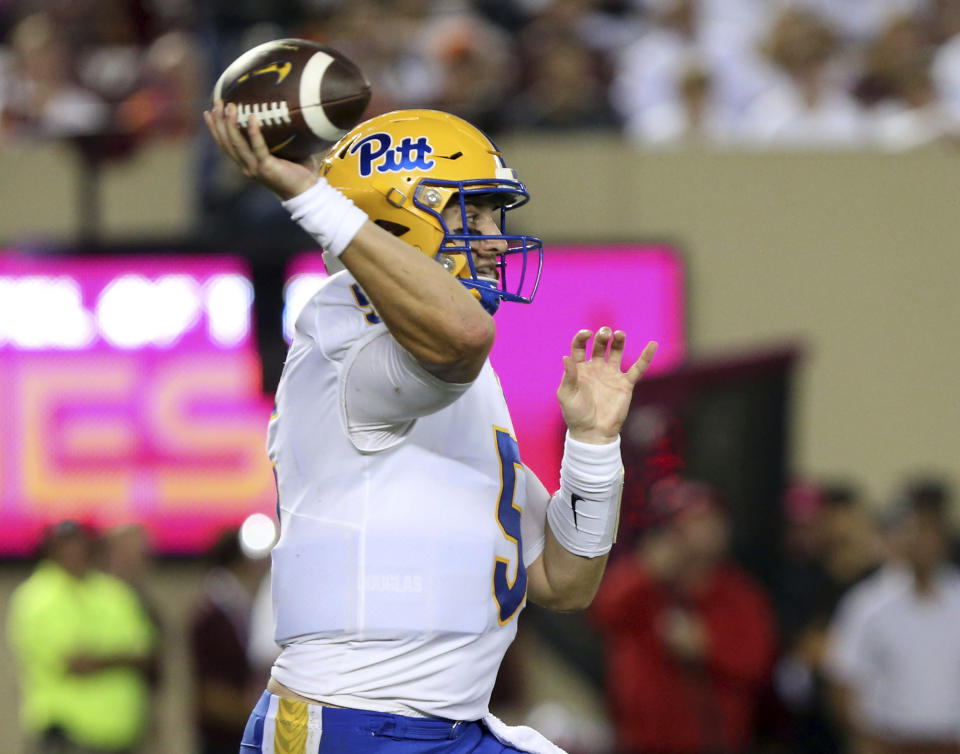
268,113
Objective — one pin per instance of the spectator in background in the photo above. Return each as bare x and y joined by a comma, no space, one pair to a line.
945,66
564,85
226,685
649,69
37,97
894,652
897,84
474,66
657,82
934,492
168,97
915,116
901,43
806,106
862,20
125,554
107,52
831,545
83,645
696,118
384,39
689,636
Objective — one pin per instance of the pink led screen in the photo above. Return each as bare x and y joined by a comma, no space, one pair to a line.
130,387
638,289
130,390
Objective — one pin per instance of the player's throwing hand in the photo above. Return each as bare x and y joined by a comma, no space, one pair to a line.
595,393
284,178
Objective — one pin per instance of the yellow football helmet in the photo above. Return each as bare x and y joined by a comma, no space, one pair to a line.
403,168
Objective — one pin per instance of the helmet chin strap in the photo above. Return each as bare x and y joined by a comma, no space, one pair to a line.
486,292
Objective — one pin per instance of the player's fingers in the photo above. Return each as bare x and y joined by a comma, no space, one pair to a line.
601,342
211,117
616,348
569,372
640,365
241,149
260,149
222,125
218,117
578,348
254,150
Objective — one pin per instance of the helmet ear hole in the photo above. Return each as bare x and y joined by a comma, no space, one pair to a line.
346,147
396,229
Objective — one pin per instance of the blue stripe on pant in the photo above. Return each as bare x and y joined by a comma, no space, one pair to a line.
253,733
349,731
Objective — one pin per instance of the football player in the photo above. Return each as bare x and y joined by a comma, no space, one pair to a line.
411,532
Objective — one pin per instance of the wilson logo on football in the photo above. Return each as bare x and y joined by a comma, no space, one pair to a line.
377,151
281,69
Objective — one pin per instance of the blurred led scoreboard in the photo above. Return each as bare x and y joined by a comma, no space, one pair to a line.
130,390
130,387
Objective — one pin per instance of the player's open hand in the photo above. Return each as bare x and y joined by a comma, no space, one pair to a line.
595,393
284,178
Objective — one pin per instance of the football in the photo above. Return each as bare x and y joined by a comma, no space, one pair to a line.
306,95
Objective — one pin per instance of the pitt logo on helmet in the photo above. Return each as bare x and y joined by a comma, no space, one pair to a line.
377,151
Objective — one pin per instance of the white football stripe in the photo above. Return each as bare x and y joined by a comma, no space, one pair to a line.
245,61
314,115
219,87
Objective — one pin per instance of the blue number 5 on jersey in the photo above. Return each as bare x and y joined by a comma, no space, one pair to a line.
509,594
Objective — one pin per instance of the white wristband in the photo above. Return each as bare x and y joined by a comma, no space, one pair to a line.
584,513
327,215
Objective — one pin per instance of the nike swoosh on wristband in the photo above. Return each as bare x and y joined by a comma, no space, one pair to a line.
574,497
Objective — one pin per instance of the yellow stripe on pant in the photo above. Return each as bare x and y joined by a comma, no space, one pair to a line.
290,734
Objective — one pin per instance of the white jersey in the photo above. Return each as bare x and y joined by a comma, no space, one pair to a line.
397,578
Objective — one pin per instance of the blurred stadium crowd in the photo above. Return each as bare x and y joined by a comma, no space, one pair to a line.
738,73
